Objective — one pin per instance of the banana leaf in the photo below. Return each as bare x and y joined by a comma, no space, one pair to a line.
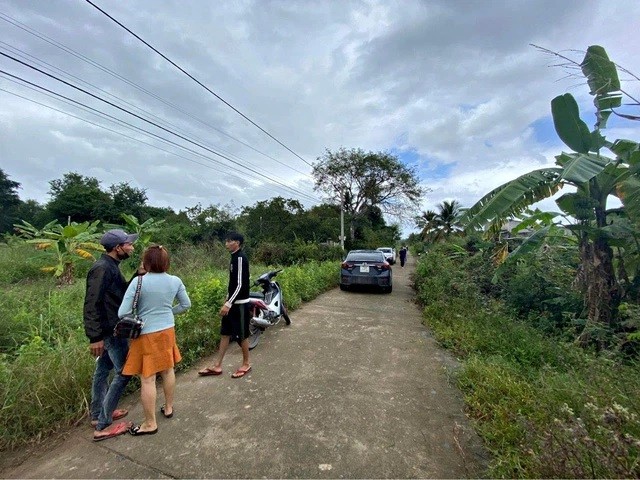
512,198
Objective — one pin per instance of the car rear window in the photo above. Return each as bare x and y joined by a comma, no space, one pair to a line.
365,257
387,250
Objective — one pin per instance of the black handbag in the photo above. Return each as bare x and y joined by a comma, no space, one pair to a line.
130,325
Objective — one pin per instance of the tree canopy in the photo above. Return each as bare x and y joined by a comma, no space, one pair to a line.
9,201
359,180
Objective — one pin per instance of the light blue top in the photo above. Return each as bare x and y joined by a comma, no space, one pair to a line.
155,305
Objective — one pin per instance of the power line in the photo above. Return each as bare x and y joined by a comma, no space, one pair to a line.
182,137
40,62
197,81
107,70
94,111
103,127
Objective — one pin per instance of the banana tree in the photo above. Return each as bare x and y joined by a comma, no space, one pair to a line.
595,177
64,245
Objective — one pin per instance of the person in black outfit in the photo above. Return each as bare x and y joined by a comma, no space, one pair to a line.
235,311
403,255
105,289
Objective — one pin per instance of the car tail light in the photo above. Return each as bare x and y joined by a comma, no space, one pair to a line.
385,266
347,266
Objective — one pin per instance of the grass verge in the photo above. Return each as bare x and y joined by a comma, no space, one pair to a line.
544,408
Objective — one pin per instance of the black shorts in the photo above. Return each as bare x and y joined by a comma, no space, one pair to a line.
235,324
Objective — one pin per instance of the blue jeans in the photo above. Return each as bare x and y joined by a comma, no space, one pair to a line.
105,395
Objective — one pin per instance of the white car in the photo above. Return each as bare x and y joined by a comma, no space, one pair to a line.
389,254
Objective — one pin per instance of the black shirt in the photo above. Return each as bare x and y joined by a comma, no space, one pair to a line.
105,290
238,279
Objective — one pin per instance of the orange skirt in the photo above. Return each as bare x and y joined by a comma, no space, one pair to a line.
152,353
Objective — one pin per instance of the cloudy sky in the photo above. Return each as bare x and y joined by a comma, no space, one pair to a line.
452,87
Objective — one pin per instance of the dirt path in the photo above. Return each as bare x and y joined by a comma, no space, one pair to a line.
354,388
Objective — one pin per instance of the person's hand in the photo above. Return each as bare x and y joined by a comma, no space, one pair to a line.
224,310
96,348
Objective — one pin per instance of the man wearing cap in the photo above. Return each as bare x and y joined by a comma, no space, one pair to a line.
105,289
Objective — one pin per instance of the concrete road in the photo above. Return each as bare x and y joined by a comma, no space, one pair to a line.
355,387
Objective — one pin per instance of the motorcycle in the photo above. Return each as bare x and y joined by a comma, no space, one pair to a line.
267,307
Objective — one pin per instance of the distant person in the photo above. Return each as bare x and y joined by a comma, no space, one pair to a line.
235,311
155,350
403,255
105,290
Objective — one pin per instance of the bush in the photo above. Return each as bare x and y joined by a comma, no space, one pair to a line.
45,367
545,409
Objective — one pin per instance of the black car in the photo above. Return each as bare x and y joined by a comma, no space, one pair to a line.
366,268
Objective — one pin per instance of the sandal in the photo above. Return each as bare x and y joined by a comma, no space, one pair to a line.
166,415
112,431
136,432
117,414
240,373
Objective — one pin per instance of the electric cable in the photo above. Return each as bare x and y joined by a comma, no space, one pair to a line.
64,73
137,116
123,123
107,70
196,80
105,128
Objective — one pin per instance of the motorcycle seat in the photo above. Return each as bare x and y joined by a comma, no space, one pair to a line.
256,295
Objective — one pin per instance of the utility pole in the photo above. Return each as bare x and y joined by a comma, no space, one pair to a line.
342,218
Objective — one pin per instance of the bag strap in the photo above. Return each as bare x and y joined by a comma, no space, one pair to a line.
136,296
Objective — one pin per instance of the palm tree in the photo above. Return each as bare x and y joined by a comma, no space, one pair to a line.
427,222
449,217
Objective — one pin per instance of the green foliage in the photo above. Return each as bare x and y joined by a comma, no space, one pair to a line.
9,202
63,246
17,263
357,180
571,129
45,366
595,178
539,287
544,408
301,283
271,253
198,329
77,197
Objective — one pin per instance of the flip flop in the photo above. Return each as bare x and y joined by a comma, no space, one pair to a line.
166,415
136,432
117,414
207,372
240,373
113,431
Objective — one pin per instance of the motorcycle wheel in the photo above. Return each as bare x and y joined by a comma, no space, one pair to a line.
254,336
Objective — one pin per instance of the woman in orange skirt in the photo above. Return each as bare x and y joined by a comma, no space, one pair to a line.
155,350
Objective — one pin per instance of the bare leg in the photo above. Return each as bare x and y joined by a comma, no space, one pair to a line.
148,398
168,387
245,354
222,349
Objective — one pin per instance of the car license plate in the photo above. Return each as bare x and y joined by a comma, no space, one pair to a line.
364,268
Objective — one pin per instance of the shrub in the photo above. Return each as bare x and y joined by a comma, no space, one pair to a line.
544,408
45,367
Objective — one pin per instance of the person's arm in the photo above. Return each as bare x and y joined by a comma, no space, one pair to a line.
235,293
184,302
127,302
93,300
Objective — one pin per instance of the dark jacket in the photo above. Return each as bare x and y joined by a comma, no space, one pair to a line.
238,279
105,289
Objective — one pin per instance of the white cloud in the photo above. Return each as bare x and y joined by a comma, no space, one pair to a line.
456,82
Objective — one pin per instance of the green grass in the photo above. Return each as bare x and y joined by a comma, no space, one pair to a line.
544,408
45,365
